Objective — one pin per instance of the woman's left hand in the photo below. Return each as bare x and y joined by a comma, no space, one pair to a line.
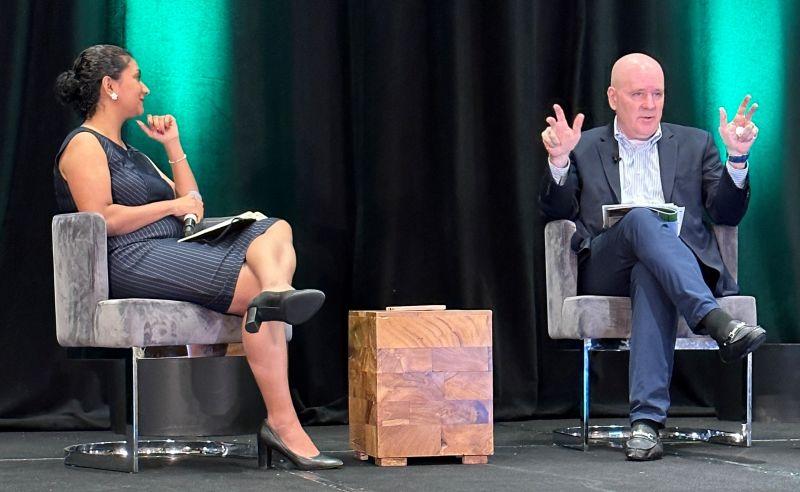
161,128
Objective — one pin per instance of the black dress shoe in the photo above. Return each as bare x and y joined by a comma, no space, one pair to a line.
644,444
741,339
292,306
268,441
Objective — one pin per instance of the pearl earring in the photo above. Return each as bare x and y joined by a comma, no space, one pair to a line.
114,96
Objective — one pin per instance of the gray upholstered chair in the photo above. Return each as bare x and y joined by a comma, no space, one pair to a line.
86,317
592,318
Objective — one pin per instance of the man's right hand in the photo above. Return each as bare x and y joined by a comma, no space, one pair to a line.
559,138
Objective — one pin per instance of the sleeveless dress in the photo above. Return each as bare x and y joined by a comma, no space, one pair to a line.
150,262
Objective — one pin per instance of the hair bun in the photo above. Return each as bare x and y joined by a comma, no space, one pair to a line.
67,87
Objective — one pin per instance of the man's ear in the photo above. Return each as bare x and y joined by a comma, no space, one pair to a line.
612,97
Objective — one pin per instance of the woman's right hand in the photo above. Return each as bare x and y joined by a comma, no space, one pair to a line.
190,203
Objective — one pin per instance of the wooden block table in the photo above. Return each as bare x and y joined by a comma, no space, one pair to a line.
420,384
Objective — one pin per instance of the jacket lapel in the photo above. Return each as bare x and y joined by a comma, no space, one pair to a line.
667,161
609,151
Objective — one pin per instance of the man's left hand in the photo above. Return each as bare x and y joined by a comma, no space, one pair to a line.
739,134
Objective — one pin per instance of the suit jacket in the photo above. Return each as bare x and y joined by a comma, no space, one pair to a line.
692,176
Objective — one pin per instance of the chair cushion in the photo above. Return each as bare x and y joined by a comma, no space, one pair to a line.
610,317
152,322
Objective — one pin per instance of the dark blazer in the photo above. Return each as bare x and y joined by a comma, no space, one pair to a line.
692,176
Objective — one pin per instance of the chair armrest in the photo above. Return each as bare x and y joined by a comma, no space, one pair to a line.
728,242
80,274
561,269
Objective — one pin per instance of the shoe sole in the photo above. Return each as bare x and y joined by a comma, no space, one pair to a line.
300,307
296,309
756,338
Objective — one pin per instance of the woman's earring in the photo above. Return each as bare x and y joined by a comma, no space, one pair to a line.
114,96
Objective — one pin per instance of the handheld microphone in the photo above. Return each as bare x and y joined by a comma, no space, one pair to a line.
190,220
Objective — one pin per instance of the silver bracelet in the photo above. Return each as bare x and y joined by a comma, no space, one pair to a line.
177,160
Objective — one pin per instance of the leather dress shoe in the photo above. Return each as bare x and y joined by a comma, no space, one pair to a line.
644,444
269,441
740,341
292,306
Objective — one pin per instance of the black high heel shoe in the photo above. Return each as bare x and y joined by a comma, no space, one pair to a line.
269,441
292,306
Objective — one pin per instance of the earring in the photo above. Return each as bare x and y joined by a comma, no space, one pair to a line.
114,96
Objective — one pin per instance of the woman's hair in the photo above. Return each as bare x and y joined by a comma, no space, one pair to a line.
80,87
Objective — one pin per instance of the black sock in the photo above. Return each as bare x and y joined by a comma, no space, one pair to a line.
650,423
715,323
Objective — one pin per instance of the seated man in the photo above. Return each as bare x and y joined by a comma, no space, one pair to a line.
638,159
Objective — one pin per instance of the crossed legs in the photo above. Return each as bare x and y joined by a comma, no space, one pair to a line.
642,258
269,265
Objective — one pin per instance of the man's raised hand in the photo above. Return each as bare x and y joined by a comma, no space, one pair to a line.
741,132
559,138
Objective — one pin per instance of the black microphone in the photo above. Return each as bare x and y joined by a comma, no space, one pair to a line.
190,220
616,158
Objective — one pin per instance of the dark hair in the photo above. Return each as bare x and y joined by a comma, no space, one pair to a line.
80,87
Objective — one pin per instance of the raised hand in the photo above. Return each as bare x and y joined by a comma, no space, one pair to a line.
559,138
161,128
741,132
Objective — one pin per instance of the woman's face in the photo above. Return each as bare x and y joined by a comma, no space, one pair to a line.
130,90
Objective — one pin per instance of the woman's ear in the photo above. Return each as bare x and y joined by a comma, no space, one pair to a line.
107,84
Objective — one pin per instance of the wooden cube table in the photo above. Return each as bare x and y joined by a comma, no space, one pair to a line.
420,384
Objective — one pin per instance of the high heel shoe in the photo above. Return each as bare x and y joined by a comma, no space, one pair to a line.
268,441
292,306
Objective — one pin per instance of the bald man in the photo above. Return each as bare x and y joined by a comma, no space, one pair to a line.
639,159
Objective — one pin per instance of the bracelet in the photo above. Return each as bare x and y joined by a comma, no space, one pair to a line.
738,159
177,160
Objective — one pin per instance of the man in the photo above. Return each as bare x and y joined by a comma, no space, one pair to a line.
638,159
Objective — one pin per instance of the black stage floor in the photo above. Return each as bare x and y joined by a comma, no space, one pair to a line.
524,459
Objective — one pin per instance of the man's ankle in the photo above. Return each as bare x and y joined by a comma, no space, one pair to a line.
715,324
655,426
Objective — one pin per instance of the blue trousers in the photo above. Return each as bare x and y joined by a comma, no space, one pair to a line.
641,257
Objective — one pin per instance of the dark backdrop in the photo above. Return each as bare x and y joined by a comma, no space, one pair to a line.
400,138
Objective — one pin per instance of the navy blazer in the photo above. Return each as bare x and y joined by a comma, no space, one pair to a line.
692,176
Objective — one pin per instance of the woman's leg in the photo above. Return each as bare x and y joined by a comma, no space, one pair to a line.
269,265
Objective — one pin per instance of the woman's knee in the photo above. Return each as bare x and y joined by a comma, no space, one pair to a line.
280,230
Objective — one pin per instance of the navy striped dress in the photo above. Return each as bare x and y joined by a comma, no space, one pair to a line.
150,262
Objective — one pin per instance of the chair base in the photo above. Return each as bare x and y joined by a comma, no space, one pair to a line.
114,456
616,435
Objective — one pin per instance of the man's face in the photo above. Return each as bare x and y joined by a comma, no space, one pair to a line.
638,99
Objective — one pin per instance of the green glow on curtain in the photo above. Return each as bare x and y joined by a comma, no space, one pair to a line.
183,48
739,49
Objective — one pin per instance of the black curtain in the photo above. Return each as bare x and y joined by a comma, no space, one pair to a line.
400,139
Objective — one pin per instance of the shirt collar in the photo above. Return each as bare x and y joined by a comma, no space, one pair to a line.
624,140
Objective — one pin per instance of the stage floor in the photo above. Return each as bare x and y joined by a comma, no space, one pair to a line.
524,459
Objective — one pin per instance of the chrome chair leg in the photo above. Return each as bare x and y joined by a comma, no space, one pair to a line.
585,401
614,435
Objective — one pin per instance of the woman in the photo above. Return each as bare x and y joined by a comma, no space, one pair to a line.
248,273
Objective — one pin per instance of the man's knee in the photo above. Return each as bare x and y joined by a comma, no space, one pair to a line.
640,217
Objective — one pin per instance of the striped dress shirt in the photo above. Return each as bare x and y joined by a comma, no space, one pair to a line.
639,171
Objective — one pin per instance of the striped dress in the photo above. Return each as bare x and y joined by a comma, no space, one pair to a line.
150,262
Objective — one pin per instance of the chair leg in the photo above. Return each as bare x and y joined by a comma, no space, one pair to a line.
132,422
747,426
585,400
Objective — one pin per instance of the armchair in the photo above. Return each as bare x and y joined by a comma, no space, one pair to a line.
590,318
86,317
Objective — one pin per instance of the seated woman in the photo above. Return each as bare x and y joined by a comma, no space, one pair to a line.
247,273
